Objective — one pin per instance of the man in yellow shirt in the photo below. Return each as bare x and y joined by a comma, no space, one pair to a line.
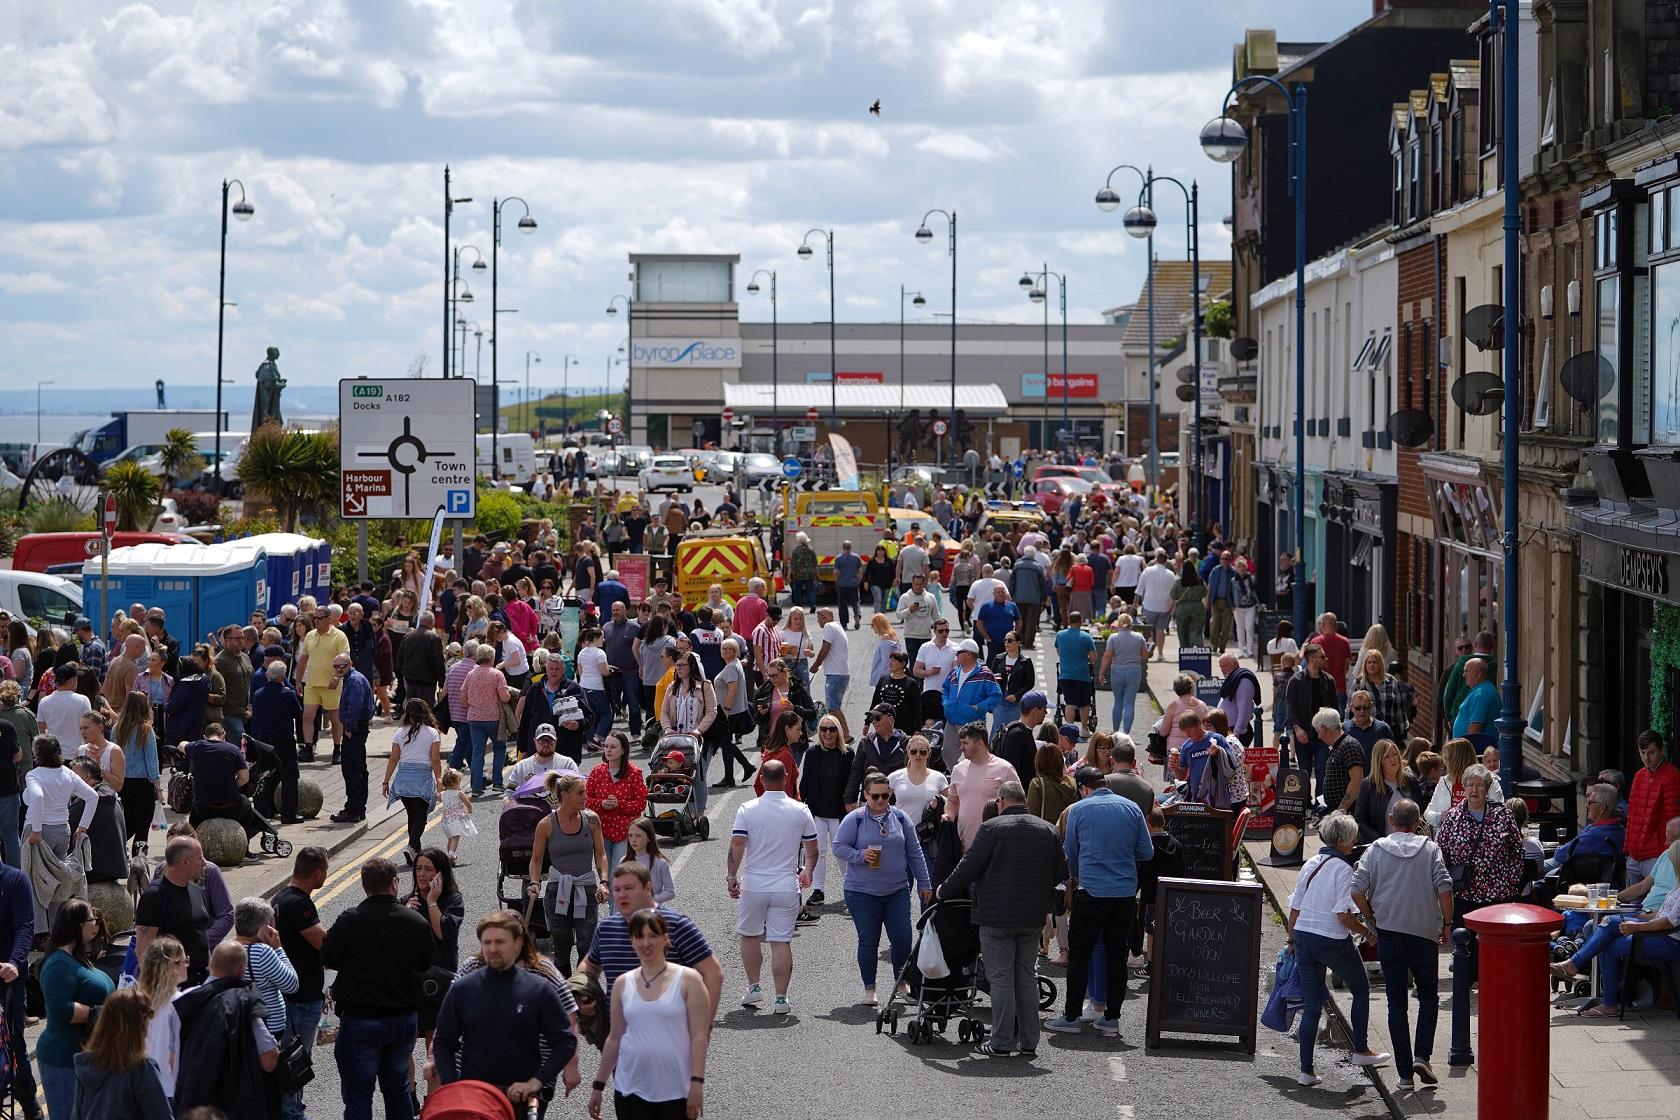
321,646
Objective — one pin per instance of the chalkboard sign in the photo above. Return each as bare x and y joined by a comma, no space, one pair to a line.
1205,834
1265,629
1289,819
1204,970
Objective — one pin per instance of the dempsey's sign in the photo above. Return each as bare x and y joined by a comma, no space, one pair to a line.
687,353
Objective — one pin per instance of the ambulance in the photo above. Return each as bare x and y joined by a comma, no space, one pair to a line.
829,517
718,556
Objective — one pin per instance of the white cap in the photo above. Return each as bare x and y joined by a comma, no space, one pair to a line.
969,645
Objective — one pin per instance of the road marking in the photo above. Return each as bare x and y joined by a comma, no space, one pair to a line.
387,850
713,805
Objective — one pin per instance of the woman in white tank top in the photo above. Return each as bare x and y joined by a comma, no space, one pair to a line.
662,1023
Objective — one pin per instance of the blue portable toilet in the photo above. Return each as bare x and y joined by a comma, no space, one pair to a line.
293,567
134,576
200,587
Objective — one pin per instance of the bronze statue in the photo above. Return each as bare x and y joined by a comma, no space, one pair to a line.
269,384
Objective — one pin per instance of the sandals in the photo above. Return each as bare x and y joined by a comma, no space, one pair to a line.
1601,1011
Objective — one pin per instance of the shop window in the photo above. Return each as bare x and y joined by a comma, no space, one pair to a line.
1665,355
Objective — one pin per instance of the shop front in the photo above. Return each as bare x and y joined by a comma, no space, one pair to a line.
1358,512
1465,561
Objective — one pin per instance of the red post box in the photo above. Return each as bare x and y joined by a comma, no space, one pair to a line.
1514,1070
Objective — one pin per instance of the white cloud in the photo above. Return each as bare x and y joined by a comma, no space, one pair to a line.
31,284
956,145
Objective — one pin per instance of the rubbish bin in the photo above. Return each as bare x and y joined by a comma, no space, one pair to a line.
1551,805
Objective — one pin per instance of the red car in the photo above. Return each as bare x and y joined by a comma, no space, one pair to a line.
1051,491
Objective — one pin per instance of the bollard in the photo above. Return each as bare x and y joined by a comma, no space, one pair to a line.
1463,977
1514,1078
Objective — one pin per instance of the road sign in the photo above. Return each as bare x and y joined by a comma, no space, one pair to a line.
800,434
791,467
811,414
615,425
406,447
940,427
108,523
727,414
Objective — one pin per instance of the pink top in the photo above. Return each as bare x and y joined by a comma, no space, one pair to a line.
484,690
1169,720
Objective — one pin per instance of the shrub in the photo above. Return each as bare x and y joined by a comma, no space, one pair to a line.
58,516
499,513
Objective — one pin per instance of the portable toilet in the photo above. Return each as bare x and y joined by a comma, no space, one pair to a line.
293,567
199,587
135,576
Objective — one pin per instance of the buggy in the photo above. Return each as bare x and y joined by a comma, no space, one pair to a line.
515,832
673,801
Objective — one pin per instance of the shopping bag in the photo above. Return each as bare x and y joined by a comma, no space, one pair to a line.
1286,999
930,955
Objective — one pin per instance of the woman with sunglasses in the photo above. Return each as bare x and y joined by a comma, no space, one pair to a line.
1015,673
781,693
877,843
822,786
72,988
916,786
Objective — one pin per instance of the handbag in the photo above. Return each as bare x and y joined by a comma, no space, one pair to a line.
179,792
434,985
296,1066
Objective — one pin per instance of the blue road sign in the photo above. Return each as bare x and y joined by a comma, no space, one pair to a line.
791,467
458,501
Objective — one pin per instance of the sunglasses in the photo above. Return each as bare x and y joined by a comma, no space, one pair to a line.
914,754
880,796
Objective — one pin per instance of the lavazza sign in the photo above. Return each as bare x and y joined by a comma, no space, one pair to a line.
686,353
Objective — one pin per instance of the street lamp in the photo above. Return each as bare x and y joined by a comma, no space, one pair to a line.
460,293
529,354
566,393
449,204
1035,285
527,225
630,352
775,357
1140,222
916,300
833,364
1108,201
1223,139
243,211
38,385
925,236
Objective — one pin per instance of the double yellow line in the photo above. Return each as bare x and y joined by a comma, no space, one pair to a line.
341,879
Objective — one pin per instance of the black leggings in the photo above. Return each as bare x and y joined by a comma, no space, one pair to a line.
635,1108
139,803
417,809
730,748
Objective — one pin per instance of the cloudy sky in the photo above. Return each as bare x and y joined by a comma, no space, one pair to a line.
630,125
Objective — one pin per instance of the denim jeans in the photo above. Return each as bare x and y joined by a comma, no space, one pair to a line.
235,727
1125,680
870,913
10,837
834,690
1093,918
616,851
1310,757
1616,957
1096,979
303,1019
58,1086
877,597
483,733
601,705
846,599
1407,961
805,593
1314,954
375,1050
626,685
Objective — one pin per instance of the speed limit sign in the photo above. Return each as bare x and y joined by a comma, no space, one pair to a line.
615,426
940,427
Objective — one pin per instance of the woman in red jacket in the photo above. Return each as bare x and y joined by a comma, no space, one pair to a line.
788,729
617,793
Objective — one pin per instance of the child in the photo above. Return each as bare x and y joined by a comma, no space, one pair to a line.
457,811
644,849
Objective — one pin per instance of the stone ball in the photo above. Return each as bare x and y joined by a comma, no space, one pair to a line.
111,900
224,842
310,798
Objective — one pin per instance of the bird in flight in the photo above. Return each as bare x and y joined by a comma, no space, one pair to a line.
876,108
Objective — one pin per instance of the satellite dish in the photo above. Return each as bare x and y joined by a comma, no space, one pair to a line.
1186,392
1588,377
1410,427
1478,394
1244,349
1484,327
1185,374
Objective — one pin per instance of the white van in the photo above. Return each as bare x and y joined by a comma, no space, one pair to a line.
516,454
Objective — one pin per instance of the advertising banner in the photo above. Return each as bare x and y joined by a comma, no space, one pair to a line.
845,462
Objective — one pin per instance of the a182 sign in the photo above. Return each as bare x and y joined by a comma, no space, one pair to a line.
406,447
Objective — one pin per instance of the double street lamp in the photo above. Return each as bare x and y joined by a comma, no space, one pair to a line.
243,211
1108,201
527,225
833,362
775,357
1035,285
925,236
449,313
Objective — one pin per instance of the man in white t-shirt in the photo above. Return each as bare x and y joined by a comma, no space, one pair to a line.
765,877
933,664
1127,569
1154,592
60,712
545,758
975,782
980,591
832,658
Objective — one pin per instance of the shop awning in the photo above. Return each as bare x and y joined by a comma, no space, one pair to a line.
977,401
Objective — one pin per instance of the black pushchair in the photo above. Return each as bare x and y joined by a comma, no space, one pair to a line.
264,762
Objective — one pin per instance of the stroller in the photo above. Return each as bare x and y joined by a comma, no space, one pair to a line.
515,833
956,996
265,783
673,801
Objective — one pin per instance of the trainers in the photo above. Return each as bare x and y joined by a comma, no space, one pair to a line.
869,998
1109,1027
1061,1024
1091,1014
754,996
782,1006
1423,1073
1404,1085
1307,1080
1370,1059
817,899
991,1051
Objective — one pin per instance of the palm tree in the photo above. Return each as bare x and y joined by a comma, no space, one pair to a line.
179,456
293,472
136,490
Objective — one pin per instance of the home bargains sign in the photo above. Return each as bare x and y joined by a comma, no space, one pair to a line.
1078,386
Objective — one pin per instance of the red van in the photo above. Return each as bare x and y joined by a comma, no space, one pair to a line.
62,553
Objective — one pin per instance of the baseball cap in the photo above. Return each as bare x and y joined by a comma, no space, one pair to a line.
677,757
545,731
273,651
83,624
969,645
1032,701
882,710
1069,732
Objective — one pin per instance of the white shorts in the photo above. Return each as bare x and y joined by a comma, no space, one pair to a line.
767,914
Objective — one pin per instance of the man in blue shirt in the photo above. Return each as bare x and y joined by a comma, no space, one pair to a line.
355,711
611,590
1221,620
1193,752
1107,838
1605,834
996,620
848,579
1480,706
1076,656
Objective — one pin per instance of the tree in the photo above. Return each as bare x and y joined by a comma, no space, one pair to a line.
137,492
294,472
1219,321
179,457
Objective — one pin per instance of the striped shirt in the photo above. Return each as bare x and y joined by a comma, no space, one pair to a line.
613,954
766,644
271,975
453,683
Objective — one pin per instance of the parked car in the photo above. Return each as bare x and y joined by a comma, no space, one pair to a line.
1051,492
632,457
667,472
757,466
40,599
1094,475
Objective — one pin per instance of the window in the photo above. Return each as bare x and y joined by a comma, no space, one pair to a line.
1665,354
1398,187
1609,346
46,603
683,281
1437,168
1414,196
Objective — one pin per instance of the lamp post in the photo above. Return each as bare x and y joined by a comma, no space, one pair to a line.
833,362
775,357
1503,14
1223,139
529,354
38,385
461,293
527,224
243,211
1108,200
606,389
916,300
1140,222
1037,291
449,204
629,353
925,236
566,393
